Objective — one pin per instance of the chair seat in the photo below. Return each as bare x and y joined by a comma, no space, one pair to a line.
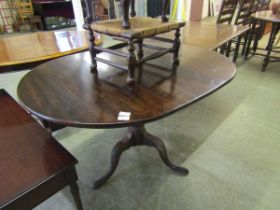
141,27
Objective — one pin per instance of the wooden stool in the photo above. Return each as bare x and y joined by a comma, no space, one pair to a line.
33,165
132,31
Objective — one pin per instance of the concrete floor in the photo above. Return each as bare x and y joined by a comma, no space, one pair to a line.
230,142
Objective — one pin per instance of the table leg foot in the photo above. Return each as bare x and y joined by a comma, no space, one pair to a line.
158,144
137,135
118,149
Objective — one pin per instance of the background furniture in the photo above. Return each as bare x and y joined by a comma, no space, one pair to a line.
264,17
107,102
25,13
29,50
210,35
50,10
33,165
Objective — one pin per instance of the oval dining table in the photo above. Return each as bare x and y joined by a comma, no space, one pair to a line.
64,91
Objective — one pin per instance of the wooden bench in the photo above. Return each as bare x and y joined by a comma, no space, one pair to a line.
33,165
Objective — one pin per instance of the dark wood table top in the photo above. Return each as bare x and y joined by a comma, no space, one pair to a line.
64,91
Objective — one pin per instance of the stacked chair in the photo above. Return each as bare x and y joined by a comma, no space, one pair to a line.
239,12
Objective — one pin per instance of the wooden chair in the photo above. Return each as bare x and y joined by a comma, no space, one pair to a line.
243,17
226,12
33,165
263,5
133,31
225,16
25,13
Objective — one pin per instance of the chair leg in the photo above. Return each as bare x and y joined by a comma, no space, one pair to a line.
222,49
132,10
228,48
269,47
92,52
245,43
176,46
132,62
140,55
250,38
237,49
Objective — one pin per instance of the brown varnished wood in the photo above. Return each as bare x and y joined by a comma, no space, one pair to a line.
64,91
138,136
33,165
40,46
209,35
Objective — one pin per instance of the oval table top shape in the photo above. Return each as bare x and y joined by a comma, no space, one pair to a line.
267,16
41,46
64,91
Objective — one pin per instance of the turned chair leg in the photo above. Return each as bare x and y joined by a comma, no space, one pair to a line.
140,55
176,46
165,4
125,11
235,56
132,9
92,52
132,62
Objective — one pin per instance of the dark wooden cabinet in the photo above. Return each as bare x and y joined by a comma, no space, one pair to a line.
55,14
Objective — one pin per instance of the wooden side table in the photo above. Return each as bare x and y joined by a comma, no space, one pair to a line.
33,165
265,17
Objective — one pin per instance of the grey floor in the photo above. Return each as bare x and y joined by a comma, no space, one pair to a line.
230,142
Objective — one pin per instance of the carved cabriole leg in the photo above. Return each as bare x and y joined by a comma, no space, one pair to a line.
140,55
137,136
274,30
132,9
176,46
165,4
118,149
132,62
125,11
74,188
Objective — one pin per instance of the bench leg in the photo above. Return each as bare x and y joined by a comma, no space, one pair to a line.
176,46
76,194
131,60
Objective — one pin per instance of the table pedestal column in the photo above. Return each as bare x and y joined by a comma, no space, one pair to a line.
137,136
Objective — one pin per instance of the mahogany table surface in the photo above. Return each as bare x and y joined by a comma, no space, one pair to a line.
64,91
210,35
29,155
